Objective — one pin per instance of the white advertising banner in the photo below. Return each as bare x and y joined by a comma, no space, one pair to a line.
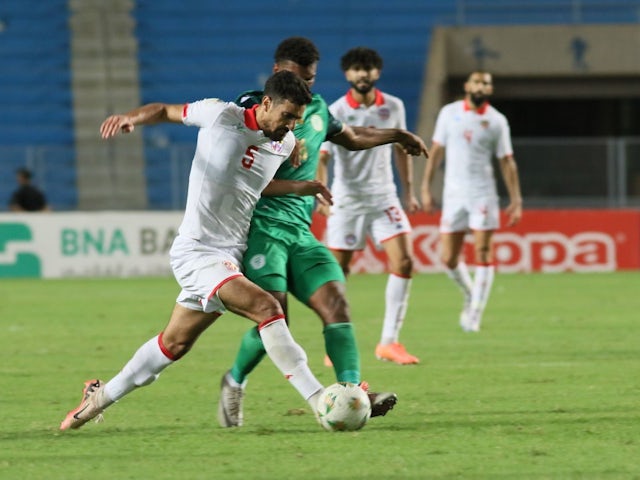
86,244
128,244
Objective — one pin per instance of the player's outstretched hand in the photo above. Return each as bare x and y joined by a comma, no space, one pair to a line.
315,188
116,124
413,144
514,213
411,203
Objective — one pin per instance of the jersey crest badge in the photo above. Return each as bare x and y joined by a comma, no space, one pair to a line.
258,261
277,146
232,267
350,239
316,122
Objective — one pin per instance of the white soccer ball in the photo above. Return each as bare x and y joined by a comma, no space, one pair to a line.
343,407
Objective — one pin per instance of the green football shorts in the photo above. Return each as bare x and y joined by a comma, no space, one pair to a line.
287,257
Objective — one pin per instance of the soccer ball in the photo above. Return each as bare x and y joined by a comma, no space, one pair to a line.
343,407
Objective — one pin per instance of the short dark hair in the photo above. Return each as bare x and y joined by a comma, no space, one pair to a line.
364,57
300,50
286,85
25,173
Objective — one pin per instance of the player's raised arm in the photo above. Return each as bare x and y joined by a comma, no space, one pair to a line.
144,115
361,138
303,188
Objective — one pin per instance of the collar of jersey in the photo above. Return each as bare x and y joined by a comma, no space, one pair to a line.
480,110
250,119
353,103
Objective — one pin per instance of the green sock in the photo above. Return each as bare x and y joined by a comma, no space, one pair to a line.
249,355
340,343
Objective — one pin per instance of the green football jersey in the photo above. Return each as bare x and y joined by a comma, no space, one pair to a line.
317,125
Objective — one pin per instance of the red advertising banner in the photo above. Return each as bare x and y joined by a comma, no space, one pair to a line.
545,241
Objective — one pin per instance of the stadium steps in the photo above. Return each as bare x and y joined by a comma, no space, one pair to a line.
105,81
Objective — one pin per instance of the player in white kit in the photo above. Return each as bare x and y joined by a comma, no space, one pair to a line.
472,133
365,197
237,154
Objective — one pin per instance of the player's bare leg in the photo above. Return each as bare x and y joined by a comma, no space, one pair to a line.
398,251
234,381
243,297
330,304
183,329
344,260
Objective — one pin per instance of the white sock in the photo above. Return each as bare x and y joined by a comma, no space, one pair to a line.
460,275
313,400
143,368
482,282
396,301
232,381
289,357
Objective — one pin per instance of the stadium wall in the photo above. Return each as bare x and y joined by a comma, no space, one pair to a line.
591,60
129,244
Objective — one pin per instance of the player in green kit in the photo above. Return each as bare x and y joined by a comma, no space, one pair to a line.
283,255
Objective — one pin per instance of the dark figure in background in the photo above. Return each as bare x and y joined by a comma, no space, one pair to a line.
27,198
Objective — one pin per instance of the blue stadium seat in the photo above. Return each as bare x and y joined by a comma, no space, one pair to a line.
198,48
35,95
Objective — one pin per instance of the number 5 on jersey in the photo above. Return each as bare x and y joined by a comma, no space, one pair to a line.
249,156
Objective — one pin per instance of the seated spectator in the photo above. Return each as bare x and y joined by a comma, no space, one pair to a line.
27,198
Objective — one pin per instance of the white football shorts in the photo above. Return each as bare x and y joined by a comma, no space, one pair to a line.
477,213
348,231
201,271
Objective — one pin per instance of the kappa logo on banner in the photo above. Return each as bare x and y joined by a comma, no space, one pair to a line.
21,264
556,252
540,251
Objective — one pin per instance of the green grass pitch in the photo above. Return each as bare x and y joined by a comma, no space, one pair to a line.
549,389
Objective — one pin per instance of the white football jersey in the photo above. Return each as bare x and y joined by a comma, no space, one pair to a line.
364,179
233,162
471,140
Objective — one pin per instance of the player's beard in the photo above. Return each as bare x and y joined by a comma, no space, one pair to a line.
362,86
478,98
277,135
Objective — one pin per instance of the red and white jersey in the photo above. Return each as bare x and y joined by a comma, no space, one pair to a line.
363,179
471,140
233,162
